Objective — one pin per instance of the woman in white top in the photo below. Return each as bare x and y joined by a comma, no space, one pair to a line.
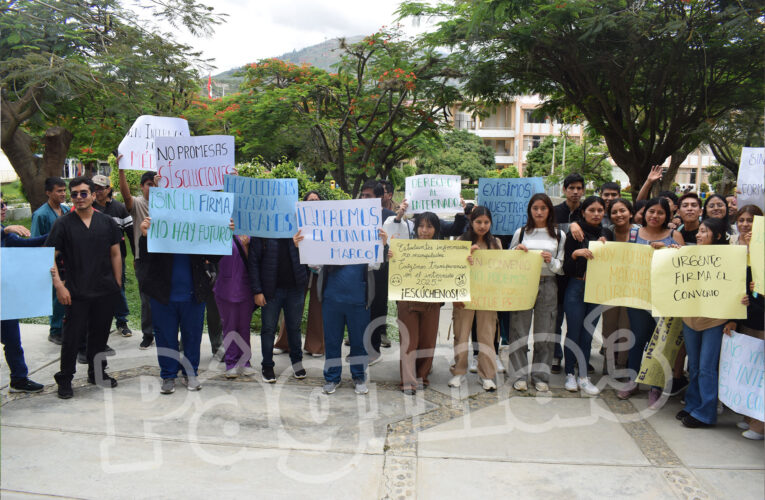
540,233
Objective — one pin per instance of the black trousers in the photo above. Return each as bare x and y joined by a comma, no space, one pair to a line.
90,319
379,305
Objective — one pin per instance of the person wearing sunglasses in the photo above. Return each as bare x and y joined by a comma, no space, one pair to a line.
87,281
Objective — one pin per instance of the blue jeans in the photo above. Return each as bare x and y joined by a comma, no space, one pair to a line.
291,301
336,315
642,325
580,325
166,319
703,357
14,354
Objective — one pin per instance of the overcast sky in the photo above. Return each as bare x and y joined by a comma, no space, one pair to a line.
256,29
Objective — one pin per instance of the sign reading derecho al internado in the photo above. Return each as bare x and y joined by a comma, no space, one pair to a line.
619,275
198,162
706,280
750,185
25,282
340,232
190,221
137,147
502,280
757,254
263,207
429,271
507,199
742,368
433,193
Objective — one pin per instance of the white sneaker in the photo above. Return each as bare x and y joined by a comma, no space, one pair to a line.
743,426
570,384
360,388
488,384
755,436
500,366
473,364
456,381
520,385
278,351
247,371
587,386
232,372
542,387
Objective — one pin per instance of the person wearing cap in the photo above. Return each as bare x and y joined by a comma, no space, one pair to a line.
138,207
117,211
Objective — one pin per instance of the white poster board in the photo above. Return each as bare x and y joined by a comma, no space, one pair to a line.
433,193
742,365
340,232
750,187
198,162
137,147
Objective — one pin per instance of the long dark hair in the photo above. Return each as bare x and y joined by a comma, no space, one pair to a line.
752,210
704,214
431,218
664,204
309,193
470,234
719,228
549,223
590,200
624,202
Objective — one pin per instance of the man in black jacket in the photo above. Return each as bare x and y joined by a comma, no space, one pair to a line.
278,281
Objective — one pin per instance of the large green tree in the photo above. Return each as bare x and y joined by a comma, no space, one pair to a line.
651,77
357,123
458,152
78,72
589,159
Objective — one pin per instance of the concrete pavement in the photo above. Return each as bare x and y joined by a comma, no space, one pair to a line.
246,438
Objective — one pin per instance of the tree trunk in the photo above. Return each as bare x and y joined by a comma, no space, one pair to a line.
33,170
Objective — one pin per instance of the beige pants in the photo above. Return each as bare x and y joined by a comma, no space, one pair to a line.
486,327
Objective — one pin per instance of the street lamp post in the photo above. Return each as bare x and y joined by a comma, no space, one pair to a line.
552,169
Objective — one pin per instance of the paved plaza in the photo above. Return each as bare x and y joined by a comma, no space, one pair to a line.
247,439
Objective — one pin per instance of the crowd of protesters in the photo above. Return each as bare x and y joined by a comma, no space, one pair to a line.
90,239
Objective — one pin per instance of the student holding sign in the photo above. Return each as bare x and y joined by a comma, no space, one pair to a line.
579,333
418,321
657,234
539,233
479,234
703,337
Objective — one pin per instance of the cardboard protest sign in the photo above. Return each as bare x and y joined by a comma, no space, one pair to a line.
190,221
619,275
263,207
702,280
340,232
504,280
198,162
757,254
137,148
742,369
507,199
429,271
433,193
660,353
750,187
25,282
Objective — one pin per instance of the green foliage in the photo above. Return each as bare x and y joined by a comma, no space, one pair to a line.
133,178
704,187
652,77
286,169
458,153
721,178
503,173
590,160
12,193
397,177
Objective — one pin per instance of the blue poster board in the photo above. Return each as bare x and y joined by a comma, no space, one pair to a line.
263,207
25,282
507,199
190,221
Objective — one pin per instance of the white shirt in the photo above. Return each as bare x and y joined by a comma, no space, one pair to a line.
540,239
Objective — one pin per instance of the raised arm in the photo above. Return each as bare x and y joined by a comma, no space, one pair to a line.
125,188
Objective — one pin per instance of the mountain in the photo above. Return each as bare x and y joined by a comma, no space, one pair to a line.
322,55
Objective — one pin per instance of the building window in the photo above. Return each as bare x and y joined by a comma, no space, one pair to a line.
529,116
692,177
463,121
531,141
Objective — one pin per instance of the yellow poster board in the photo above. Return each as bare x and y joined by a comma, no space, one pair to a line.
757,254
619,275
504,280
702,280
429,271
660,353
